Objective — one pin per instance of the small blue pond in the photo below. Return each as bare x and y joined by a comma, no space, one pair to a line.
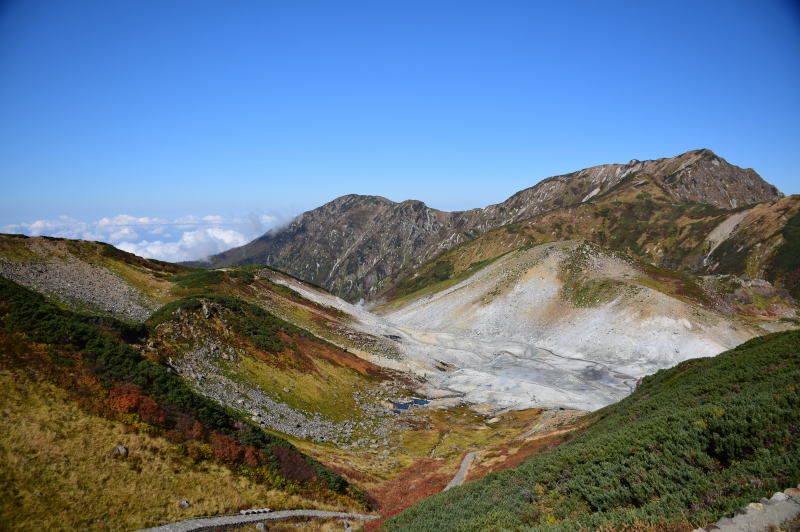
397,407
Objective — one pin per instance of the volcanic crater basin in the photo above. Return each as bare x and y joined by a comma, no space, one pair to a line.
510,337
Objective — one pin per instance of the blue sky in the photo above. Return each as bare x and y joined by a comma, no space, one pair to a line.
217,119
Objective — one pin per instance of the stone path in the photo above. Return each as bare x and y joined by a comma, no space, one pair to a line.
462,471
210,523
761,516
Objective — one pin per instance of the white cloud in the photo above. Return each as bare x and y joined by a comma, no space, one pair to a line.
193,245
123,233
196,237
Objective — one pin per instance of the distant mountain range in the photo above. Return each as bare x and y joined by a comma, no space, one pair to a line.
362,247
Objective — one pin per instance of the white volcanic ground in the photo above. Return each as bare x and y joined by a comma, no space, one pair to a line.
505,336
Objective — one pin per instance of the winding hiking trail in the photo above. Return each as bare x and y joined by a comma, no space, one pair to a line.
462,471
546,416
470,457
209,523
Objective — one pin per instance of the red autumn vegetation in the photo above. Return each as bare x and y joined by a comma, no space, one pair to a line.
127,398
230,450
413,484
294,466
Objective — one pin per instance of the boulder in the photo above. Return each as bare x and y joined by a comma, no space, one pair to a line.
121,450
754,507
183,503
778,497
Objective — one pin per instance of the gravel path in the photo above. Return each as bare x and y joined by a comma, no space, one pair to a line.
547,415
462,471
209,523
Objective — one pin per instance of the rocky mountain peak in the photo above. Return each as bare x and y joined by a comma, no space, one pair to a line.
355,244
704,177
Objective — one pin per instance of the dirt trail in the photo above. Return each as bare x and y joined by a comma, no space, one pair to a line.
210,523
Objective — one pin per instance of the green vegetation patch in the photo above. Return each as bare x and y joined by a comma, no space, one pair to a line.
198,280
786,263
674,283
440,270
725,284
257,325
438,276
580,289
590,292
693,443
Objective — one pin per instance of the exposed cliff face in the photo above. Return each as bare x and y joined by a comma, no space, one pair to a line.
354,243
357,246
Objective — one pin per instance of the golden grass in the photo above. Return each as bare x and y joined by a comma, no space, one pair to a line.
58,471
16,248
156,289
456,430
665,288
329,392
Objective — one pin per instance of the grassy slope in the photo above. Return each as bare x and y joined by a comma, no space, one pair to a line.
87,356
173,284
692,444
58,470
277,356
434,277
148,276
323,376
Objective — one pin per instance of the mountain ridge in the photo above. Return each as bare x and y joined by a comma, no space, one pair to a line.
357,245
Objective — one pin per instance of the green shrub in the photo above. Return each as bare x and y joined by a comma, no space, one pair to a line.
259,326
198,280
786,263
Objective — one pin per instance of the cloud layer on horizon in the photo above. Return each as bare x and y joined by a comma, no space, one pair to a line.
180,239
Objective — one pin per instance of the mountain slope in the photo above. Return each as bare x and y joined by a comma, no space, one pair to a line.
276,355
690,445
94,367
357,246
757,242
565,324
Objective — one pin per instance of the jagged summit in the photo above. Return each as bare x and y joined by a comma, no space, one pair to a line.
355,244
